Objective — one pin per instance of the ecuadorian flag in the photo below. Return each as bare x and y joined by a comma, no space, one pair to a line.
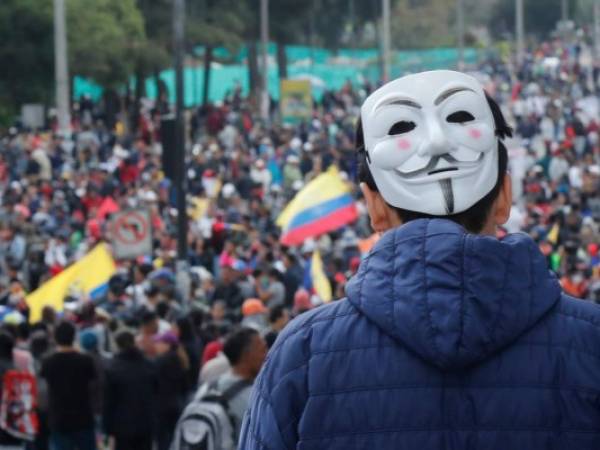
323,205
88,276
315,278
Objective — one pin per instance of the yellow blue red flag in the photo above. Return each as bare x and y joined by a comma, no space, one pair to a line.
88,276
325,204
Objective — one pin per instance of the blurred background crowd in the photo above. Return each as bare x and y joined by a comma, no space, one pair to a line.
146,345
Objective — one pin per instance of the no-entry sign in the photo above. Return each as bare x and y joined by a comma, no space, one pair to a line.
131,234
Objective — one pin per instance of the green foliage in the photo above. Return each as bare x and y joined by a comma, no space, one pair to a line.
541,16
26,52
104,36
423,24
217,23
154,53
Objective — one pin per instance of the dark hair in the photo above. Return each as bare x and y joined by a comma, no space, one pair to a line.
197,316
148,317
152,291
274,273
64,334
11,329
276,313
125,340
40,344
48,314
474,218
186,329
6,346
237,343
162,309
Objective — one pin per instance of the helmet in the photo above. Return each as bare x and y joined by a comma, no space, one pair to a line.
431,142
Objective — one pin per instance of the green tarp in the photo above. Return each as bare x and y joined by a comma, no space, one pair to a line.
326,70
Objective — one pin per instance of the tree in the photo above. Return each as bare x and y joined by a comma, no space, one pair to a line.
104,36
541,16
26,52
287,26
213,23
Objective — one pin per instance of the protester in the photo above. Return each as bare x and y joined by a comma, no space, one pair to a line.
279,317
172,366
246,351
145,340
88,343
255,314
130,397
192,346
40,347
7,440
69,375
447,330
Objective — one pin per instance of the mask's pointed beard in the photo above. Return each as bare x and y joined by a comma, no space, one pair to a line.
446,186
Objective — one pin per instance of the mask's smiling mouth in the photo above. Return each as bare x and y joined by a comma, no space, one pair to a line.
430,168
445,169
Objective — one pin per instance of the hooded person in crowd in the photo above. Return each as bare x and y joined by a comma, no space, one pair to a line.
449,337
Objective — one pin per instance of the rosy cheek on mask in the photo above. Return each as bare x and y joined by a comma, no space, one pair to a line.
404,144
475,133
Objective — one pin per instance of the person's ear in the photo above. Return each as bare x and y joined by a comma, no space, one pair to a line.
503,203
382,216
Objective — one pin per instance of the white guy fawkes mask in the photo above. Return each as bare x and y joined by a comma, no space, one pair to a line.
431,143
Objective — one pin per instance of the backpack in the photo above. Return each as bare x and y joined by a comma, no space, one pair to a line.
206,423
18,415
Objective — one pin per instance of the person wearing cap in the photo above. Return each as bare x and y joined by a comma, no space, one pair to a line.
449,337
260,175
291,172
88,342
254,314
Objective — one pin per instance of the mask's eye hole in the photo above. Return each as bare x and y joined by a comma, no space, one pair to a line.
402,127
460,117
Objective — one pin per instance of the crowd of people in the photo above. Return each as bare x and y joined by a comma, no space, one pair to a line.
122,368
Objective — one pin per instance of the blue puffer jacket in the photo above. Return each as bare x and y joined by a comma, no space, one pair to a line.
447,340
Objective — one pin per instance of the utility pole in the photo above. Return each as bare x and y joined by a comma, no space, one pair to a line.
520,31
596,30
564,10
387,39
460,28
61,69
182,275
264,37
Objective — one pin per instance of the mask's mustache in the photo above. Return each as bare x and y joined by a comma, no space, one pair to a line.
433,162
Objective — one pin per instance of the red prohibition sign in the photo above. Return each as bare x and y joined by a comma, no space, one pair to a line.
131,228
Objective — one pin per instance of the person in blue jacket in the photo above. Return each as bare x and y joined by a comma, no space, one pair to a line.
449,337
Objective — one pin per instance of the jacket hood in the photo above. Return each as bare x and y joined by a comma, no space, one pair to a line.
452,297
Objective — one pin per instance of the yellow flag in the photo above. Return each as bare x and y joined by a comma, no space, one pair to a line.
553,234
320,282
89,274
